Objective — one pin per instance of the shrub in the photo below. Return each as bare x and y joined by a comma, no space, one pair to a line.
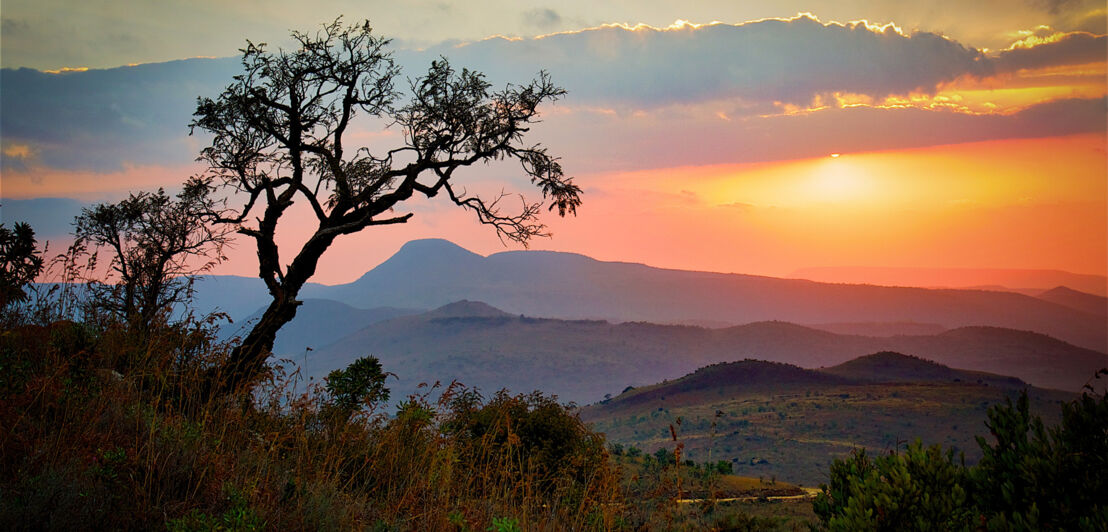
1031,477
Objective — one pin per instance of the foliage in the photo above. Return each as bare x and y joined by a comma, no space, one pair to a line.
541,437
1032,478
20,263
922,488
155,243
86,447
1036,477
361,383
279,137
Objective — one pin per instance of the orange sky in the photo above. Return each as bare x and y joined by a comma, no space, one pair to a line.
1023,204
667,176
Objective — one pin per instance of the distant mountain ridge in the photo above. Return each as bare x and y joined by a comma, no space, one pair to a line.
432,273
1019,280
582,360
1068,297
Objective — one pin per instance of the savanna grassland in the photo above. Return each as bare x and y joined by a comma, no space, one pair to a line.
793,431
114,428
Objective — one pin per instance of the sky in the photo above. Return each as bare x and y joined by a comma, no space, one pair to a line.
750,137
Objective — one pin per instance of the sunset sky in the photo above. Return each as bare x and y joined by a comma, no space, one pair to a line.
726,136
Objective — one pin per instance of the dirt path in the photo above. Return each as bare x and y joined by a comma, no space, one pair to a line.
809,493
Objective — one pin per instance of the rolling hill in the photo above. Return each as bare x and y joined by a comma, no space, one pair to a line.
432,273
427,274
775,420
583,360
892,367
1067,297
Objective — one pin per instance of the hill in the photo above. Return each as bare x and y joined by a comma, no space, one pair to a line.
432,273
880,328
780,421
583,360
891,367
1067,297
730,379
318,323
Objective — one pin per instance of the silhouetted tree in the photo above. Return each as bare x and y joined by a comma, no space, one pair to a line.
20,262
157,244
280,135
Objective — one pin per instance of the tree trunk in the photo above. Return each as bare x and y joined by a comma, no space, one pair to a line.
247,360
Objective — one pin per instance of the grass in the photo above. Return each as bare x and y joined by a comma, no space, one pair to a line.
795,435
103,432
104,428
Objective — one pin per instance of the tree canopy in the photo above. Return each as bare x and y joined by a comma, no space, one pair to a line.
280,134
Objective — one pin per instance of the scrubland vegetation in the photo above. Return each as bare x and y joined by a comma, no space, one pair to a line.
105,428
111,424
109,428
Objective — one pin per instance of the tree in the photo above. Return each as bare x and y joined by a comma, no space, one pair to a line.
923,488
361,383
280,135
20,262
1036,477
155,242
1033,477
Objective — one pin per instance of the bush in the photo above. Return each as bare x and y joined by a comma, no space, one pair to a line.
920,489
20,263
1031,478
1035,477
362,383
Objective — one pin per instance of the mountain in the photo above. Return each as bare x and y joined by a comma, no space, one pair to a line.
991,278
1068,297
432,273
779,420
582,360
892,367
880,328
318,323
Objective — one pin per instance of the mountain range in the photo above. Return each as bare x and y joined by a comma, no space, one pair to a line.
582,328
426,274
584,360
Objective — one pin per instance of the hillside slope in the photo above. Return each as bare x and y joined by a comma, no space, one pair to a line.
775,420
582,360
431,273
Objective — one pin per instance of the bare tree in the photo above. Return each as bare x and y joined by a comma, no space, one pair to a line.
279,137
157,244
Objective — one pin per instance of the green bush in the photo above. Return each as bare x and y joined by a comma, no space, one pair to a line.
361,383
1031,477
922,488
1036,477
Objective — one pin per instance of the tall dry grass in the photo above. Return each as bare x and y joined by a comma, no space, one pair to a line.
106,428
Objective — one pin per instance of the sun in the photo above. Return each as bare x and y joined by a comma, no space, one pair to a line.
836,179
